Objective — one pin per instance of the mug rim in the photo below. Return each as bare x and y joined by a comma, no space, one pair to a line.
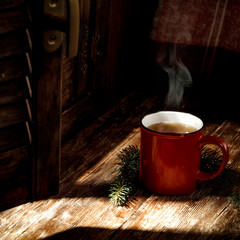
172,134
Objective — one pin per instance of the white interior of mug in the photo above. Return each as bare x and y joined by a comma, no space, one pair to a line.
174,117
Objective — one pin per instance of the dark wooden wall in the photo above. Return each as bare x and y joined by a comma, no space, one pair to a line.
15,104
113,47
114,58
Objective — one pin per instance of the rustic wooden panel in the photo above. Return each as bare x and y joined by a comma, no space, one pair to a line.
79,115
47,124
12,68
76,79
14,136
83,61
68,84
16,166
100,72
76,72
15,177
120,48
13,91
10,3
99,132
10,162
11,20
11,44
13,113
107,65
46,107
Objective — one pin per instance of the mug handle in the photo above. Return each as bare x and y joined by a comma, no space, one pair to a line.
205,176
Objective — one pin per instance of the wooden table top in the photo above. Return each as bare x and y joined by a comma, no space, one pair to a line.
82,210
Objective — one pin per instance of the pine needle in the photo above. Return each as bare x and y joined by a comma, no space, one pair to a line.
126,180
236,197
119,192
127,175
210,160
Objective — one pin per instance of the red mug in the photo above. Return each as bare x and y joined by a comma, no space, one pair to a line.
170,162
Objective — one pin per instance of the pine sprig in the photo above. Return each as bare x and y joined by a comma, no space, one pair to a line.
210,160
126,180
119,192
236,197
127,175
129,163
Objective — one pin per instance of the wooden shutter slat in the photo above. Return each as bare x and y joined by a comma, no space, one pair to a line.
13,91
10,21
13,137
13,113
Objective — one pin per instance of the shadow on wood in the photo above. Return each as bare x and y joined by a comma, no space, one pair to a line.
103,233
221,186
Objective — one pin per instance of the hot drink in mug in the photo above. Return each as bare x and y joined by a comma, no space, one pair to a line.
170,155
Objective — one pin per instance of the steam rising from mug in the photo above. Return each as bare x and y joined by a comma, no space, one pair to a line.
178,75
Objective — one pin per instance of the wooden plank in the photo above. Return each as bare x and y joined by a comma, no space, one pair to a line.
46,108
79,115
16,167
14,136
11,20
15,177
48,135
116,44
11,44
13,91
83,61
10,162
10,3
68,86
12,68
13,113
102,136
104,69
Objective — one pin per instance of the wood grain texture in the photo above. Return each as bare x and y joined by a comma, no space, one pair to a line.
83,60
82,209
16,172
10,3
47,103
13,91
15,177
13,136
112,48
11,20
12,68
11,114
48,114
11,44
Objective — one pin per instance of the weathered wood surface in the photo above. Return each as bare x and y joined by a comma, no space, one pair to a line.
82,209
10,3
11,20
11,44
13,136
15,177
12,68
47,117
13,113
13,91
16,172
